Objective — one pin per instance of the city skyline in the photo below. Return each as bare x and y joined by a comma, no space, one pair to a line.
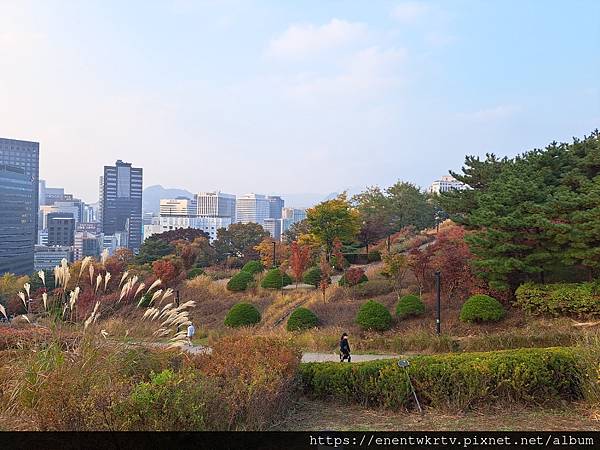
258,94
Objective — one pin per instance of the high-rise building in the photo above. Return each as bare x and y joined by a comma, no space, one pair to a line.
18,232
291,216
273,226
252,208
86,244
180,206
121,202
216,204
47,258
276,205
48,195
24,155
445,184
61,229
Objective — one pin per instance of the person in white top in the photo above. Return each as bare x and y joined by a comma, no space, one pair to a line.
191,330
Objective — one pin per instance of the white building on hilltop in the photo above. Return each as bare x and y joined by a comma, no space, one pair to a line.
445,184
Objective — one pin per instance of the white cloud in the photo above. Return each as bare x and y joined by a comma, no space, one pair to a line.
299,41
365,75
410,12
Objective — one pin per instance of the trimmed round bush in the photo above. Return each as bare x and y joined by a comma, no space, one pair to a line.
312,276
242,314
239,282
408,306
302,319
276,279
482,308
193,273
253,267
374,316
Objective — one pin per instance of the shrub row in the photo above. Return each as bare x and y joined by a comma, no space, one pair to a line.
578,299
528,376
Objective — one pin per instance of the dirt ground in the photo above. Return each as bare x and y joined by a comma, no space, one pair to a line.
315,415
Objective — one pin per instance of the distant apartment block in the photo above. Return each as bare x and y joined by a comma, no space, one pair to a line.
445,184
26,156
252,208
121,202
112,242
178,207
216,204
61,229
209,225
291,216
276,205
47,258
18,212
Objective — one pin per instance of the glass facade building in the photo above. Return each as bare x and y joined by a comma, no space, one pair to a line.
121,202
24,155
18,212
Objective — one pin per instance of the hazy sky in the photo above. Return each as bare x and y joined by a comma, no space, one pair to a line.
292,96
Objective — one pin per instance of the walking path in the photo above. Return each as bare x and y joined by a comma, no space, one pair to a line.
306,357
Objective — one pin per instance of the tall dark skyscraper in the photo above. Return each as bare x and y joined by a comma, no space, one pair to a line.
24,155
121,202
18,206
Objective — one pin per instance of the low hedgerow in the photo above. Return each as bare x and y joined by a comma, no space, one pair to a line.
240,281
374,256
409,306
527,376
242,314
312,276
374,316
578,299
373,288
275,279
482,308
253,267
193,273
302,319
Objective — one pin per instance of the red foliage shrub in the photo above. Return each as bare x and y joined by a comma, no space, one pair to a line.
166,270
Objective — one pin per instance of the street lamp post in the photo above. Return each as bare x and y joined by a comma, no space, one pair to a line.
438,304
274,265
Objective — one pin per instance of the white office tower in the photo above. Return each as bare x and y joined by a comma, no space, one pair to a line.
252,208
180,206
215,204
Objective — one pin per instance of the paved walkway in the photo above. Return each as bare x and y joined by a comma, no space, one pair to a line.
306,357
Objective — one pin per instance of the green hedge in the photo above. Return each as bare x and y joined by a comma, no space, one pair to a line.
193,273
374,316
253,267
408,306
242,314
482,308
580,299
374,256
302,319
373,288
239,282
275,279
312,276
528,376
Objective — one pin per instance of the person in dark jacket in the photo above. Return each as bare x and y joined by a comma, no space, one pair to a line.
344,348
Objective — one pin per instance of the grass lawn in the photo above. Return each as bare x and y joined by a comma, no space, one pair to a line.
327,416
